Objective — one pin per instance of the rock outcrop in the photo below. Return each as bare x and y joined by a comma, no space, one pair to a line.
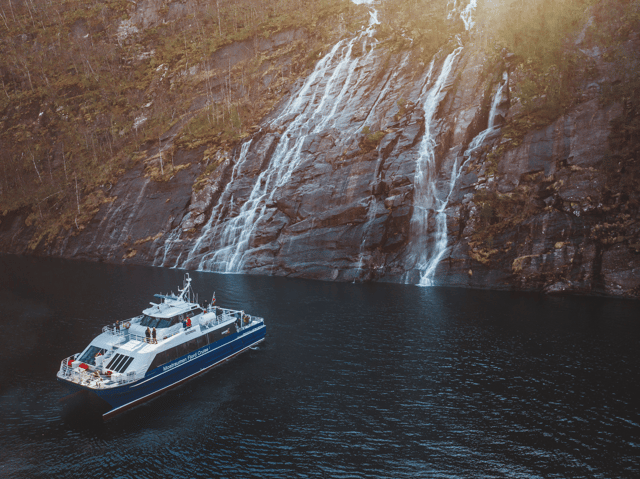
332,187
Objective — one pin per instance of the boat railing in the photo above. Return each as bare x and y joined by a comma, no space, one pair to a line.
115,332
121,330
128,377
65,368
221,315
124,336
88,376
230,315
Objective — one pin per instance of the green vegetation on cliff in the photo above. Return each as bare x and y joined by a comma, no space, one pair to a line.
551,48
558,54
424,25
90,88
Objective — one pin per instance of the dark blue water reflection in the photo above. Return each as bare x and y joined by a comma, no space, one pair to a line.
370,380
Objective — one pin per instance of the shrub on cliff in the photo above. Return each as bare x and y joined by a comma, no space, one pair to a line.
541,35
87,85
370,140
422,24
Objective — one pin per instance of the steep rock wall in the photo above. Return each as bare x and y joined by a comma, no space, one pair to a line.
327,187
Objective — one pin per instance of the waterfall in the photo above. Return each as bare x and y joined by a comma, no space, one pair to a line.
480,137
439,250
465,14
428,200
425,189
225,240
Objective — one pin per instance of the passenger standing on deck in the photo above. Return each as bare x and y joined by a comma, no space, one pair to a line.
188,322
153,335
117,326
147,333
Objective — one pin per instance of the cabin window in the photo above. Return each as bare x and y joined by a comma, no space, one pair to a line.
164,357
202,341
160,359
177,351
163,323
212,337
172,354
118,364
181,349
146,321
221,333
192,345
89,356
158,323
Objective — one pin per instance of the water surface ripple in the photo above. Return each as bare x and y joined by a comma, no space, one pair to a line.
370,380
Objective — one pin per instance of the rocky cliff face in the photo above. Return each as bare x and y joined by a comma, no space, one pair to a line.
378,166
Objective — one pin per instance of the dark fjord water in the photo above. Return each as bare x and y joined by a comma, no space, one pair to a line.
368,380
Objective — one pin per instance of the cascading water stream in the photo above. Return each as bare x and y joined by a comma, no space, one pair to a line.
426,194
224,242
440,234
465,14
427,199
480,137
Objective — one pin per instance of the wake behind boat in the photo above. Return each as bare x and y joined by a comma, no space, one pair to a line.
128,364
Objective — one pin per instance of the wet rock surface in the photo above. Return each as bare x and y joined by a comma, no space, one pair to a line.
328,188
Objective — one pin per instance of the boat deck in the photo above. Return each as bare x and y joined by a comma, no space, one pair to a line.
124,341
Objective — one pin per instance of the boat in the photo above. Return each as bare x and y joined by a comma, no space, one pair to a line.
125,365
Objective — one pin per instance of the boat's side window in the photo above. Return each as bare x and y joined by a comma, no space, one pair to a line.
212,337
219,334
160,359
195,312
182,349
202,341
163,323
157,361
172,354
192,345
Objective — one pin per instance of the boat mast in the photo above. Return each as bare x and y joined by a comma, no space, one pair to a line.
186,289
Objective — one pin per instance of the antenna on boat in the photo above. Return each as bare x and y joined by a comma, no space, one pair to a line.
186,289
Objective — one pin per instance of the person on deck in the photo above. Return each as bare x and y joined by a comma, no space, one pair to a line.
188,322
153,335
147,333
117,326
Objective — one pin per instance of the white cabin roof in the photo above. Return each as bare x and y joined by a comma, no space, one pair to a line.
169,309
